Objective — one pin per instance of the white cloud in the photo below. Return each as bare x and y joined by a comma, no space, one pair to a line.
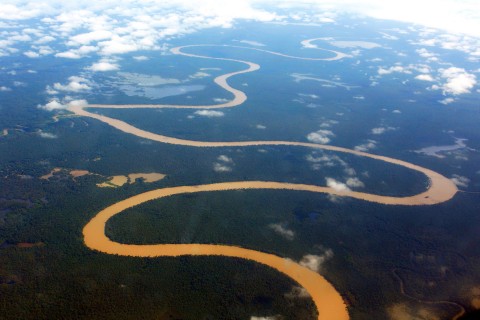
12,12
298,292
252,43
424,77
76,84
370,144
447,101
337,185
46,135
218,167
260,126
399,69
199,75
118,45
315,262
52,105
31,54
355,183
68,55
87,38
103,66
381,130
460,181
458,80
5,89
209,113
320,136
396,111
225,159
282,231
81,103
45,39
222,166
141,58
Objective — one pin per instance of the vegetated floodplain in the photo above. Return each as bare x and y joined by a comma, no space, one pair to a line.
327,300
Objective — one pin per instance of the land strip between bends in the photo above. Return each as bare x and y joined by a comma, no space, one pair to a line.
328,301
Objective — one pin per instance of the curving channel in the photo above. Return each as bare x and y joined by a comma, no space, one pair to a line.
327,299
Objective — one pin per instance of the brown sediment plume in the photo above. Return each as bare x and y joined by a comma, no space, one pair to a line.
328,301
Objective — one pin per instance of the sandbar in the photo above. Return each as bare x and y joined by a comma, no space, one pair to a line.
120,180
147,177
50,174
114,182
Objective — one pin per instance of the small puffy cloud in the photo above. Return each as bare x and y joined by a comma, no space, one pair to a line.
68,55
140,58
209,113
201,74
87,38
252,43
315,262
337,185
370,144
45,39
282,231
223,164
381,130
103,66
355,183
458,80
460,181
118,45
396,111
220,100
398,69
5,89
320,136
46,135
32,54
76,84
424,77
225,159
427,54
52,105
219,167
297,292
11,12
446,101
80,103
